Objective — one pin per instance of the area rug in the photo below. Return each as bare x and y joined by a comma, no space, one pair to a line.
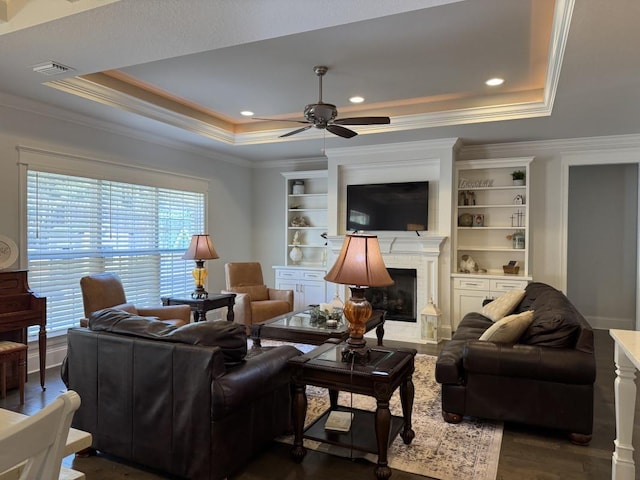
469,450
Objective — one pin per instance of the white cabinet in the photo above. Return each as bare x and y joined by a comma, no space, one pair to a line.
491,226
306,217
470,291
308,285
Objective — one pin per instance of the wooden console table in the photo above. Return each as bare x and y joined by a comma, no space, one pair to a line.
627,360
385,371
200,306
20,308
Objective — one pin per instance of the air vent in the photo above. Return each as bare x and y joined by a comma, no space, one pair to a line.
51,68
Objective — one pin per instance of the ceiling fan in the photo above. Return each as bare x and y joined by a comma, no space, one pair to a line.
323,115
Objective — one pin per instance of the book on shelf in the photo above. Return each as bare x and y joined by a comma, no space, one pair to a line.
339,421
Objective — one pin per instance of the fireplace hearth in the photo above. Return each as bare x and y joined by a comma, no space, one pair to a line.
399,299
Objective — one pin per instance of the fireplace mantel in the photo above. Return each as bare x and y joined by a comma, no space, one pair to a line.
398,243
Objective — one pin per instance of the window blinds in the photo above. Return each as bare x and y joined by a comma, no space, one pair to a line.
77,226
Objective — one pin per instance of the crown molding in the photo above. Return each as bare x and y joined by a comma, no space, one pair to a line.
313,162
559,35
419,148
49,111
112,97
552,147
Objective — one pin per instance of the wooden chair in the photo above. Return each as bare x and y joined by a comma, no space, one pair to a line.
35,446
13,352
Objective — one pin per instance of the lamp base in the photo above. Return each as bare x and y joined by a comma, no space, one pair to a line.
357,311
359,355
199,293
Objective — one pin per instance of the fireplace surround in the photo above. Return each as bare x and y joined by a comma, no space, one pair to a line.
399,299
428,251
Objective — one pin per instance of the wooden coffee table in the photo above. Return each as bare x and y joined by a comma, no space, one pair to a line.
296,327
386,370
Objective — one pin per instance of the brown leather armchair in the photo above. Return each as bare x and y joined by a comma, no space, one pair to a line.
255,302
105,290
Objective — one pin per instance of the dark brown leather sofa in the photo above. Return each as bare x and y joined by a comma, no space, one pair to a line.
546,379
165,397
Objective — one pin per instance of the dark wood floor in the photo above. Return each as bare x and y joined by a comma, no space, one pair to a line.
526,454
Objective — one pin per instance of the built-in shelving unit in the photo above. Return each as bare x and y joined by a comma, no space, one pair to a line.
306,217
491,225
306,222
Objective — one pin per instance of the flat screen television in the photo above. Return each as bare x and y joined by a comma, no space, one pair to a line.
402,206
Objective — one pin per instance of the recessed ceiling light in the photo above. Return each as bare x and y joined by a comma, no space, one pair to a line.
356,99
494,82
246,113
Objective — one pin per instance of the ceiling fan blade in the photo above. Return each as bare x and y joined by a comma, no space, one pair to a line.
341,131
363,121
293,132
279,120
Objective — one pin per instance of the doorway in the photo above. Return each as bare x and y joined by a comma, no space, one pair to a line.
602,243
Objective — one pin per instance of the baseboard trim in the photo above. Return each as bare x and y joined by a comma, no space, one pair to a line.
606,323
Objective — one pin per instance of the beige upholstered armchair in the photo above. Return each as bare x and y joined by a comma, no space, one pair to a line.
105,290
255,302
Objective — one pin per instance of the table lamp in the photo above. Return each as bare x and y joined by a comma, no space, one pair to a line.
359,265
200,249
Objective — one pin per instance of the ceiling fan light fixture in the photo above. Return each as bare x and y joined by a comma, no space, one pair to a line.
356,99
247,113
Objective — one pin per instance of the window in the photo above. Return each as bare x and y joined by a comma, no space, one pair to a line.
77,226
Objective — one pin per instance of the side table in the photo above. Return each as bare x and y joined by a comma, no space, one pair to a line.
200,306
386,370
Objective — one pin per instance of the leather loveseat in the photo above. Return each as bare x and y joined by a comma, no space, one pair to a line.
545,379
183,400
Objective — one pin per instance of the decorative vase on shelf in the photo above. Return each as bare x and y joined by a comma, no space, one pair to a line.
295,254
298,187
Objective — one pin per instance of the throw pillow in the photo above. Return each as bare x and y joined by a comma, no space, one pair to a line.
255,292
503,305
508,329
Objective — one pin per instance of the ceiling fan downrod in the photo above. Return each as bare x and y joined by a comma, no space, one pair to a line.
320,71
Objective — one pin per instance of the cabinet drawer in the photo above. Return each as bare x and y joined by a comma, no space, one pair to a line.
471,283
506,285
288,274
312,275
298,274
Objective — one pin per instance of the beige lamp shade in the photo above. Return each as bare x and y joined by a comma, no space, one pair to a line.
201,248
360,263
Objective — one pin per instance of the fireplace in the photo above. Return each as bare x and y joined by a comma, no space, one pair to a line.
399,299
